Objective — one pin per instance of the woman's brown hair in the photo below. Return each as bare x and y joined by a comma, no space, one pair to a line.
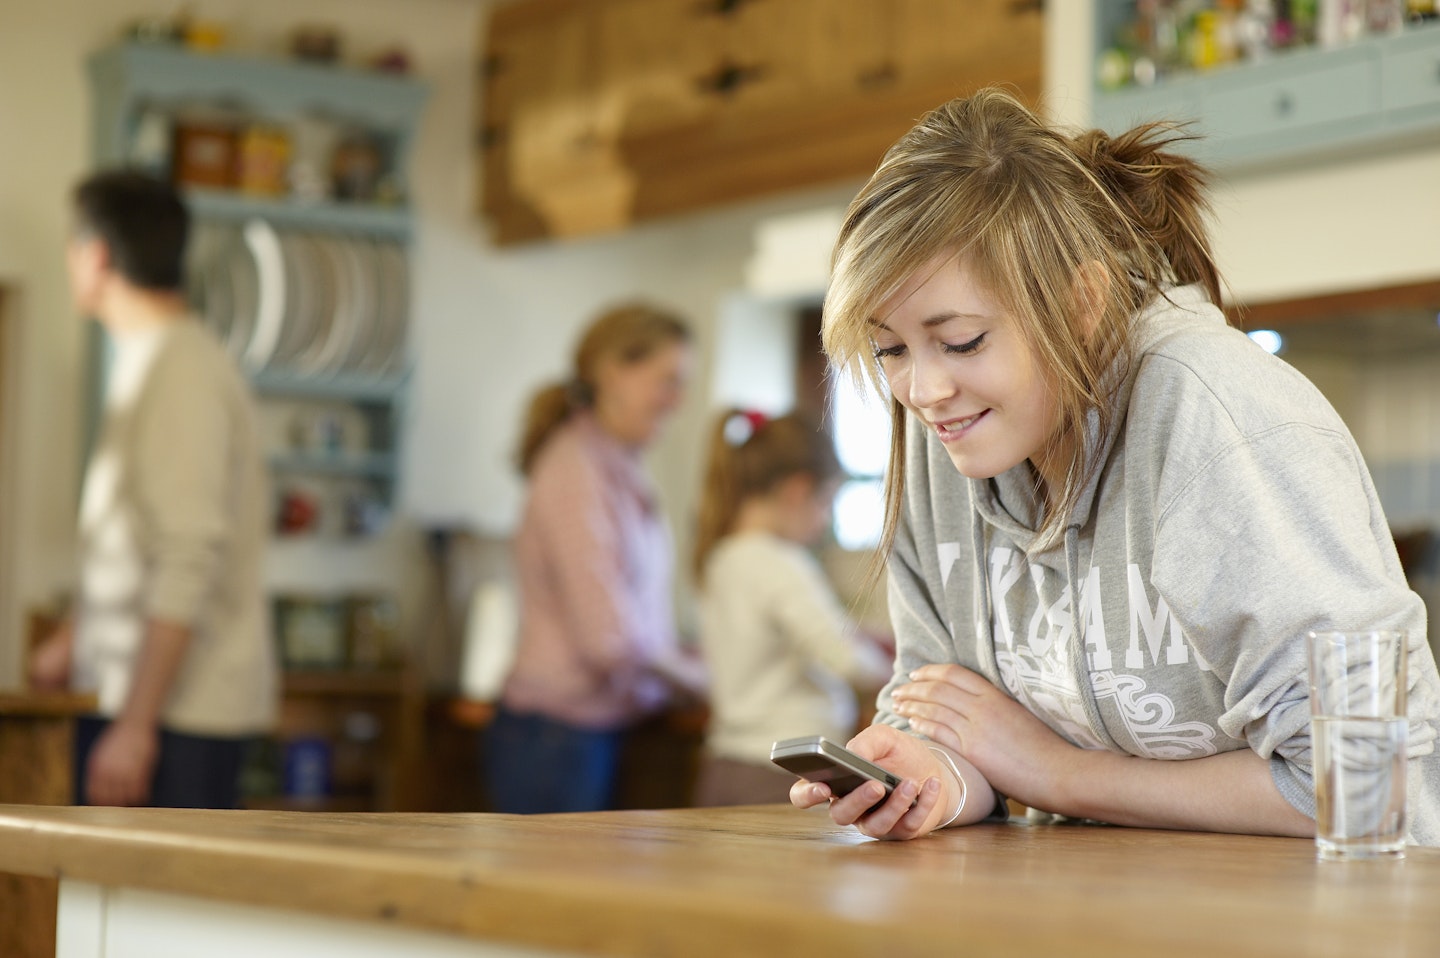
1070,234
749,455
627,333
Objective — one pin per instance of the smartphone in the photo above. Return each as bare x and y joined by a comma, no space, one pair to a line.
817,759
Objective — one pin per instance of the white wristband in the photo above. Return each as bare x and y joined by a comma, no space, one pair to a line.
950,764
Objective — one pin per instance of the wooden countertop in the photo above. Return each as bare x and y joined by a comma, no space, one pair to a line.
34,704
759,880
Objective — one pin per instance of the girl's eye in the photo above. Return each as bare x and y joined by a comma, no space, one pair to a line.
964,349
889,352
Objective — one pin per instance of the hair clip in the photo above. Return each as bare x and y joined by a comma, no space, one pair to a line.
743,425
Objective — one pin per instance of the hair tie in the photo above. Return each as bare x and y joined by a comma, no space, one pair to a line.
579,394
743,425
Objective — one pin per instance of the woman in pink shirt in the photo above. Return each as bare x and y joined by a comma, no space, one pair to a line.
597,648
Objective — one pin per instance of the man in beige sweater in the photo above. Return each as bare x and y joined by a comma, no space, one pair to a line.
169,628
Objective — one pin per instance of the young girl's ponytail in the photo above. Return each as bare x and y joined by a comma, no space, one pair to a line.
749,453
720,494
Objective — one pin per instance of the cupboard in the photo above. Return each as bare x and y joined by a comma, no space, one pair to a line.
297,177
596,116
1375,93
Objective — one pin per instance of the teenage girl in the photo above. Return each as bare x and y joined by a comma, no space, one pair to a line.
782,655
1111,517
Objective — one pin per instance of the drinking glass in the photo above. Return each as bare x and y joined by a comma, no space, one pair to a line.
1358,729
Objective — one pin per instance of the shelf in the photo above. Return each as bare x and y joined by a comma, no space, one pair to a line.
346,682
370,466
390,222
351,387
272,87
1377,93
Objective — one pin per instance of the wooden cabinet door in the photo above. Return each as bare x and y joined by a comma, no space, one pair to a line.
601,113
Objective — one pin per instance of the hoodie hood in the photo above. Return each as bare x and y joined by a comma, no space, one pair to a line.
1009,503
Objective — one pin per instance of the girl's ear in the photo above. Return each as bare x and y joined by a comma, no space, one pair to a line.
1090,291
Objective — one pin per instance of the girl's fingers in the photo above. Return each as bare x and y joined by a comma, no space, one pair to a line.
849,809
913,820
956,676
939,733
881,822
805,794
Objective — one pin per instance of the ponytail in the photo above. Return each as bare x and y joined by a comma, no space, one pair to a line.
1162,195
548,409
748,455
720,493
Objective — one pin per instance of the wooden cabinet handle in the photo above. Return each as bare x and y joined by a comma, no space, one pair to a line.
729,77
489,137
722,8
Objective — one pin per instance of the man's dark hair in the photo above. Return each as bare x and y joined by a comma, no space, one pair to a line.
142,221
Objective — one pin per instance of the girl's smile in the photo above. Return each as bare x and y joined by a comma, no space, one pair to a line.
955,358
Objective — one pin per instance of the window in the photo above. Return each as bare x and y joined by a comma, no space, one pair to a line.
860,423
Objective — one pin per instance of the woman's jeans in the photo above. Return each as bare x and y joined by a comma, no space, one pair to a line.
535,764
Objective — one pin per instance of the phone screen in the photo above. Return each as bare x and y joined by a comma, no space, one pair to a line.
816,759
817,768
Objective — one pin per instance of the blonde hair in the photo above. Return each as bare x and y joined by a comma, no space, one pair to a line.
749,455
1071,235
627,333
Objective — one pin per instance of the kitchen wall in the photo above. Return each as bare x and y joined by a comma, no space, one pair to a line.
491,325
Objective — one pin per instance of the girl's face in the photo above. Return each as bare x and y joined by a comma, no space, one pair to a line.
804,507
959,363
633,400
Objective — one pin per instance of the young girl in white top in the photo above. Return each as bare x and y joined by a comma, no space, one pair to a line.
783,657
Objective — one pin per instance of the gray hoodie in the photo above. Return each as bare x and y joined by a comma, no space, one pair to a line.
1231,513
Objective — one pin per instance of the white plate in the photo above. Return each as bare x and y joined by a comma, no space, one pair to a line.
319,276
245,295
302,298
387,352
291,319
367,308
264,245
349,287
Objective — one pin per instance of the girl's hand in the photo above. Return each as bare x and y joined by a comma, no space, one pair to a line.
1016,752
921,801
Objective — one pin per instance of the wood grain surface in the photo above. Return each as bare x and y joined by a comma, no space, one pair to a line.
757,880
36,739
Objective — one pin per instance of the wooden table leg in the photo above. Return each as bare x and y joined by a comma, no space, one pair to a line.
35,757
27,916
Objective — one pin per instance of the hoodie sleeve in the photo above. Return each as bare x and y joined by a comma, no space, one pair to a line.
1278,534
917,587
